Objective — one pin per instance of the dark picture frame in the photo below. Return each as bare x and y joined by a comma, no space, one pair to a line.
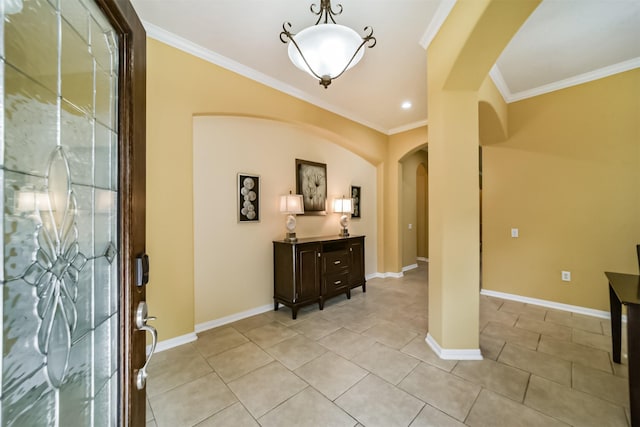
248,197
356,196
311,183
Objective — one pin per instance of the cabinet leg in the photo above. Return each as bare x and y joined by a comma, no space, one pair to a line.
633,352
321,304
616,324
364,286
294,313
348,293
276,306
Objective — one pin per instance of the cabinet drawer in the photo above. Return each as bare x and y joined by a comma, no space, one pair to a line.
335,283
336,261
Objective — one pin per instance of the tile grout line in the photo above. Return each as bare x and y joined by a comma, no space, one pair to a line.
389,317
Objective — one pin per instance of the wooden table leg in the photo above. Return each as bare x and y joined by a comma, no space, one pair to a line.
616,324
633,351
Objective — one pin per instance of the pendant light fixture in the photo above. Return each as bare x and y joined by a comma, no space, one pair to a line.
326,50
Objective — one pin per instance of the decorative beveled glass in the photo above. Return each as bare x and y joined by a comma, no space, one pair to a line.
58,167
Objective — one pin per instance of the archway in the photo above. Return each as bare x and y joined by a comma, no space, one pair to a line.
412,207
422,212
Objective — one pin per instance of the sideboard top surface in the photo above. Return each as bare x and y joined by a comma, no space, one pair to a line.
321,239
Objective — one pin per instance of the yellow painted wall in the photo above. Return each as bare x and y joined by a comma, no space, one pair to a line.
568,177
492,113
409,206
234,261
180,86
555,133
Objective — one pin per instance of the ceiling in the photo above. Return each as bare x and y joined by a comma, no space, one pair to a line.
563,43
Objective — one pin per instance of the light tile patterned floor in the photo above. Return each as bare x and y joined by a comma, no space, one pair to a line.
364,362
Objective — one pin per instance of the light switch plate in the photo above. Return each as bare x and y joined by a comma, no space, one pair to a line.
514,232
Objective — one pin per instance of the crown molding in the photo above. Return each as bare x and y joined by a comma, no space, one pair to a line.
196,50
443,10
500,83
600,73
409,126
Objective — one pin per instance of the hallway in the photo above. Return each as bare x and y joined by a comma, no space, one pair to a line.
364,361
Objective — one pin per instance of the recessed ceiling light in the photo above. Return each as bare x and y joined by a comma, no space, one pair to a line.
406,105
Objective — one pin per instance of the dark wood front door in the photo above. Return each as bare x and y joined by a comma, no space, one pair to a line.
132,159
73,195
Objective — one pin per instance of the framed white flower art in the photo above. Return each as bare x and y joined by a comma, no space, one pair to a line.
311,183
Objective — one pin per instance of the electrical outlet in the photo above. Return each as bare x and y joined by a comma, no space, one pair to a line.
514,232
410,226
566,276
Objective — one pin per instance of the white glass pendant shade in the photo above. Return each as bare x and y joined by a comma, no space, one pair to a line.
327,48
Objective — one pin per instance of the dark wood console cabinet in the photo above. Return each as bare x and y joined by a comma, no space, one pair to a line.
315,269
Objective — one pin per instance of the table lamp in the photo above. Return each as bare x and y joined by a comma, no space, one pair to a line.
291,204
344,206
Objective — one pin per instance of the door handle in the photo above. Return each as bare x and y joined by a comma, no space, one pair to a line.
141,324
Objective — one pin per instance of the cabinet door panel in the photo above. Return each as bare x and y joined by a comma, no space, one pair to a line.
307,273
283,271
356,271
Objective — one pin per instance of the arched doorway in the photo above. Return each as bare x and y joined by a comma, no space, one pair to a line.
422,212
413,208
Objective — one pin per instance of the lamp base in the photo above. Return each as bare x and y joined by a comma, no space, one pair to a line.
344,222
291,237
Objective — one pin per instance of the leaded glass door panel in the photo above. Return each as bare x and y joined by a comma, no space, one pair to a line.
65,360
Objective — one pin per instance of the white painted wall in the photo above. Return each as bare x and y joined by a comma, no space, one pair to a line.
234,261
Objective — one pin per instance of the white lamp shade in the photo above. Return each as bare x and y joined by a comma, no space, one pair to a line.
29,201
327,48
12,6
342,205
291,204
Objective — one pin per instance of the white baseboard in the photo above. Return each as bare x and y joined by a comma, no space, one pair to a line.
201,327
453,354
550,304
409,267
173,342
394,275
384,275
390,274
421,258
